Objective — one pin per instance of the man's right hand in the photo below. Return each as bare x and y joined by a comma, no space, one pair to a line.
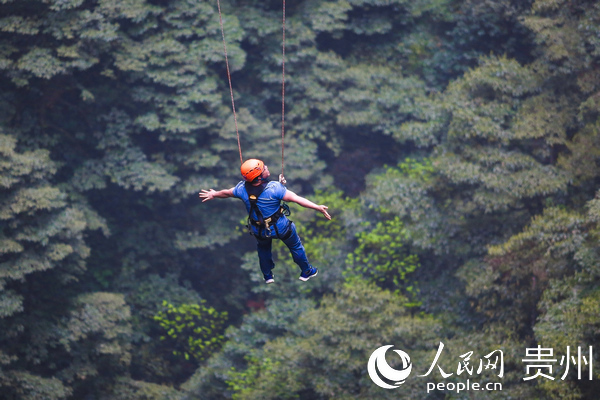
207,194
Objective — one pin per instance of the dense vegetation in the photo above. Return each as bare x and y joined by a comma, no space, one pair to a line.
455,142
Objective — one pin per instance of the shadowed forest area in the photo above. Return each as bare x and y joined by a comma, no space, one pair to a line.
456,143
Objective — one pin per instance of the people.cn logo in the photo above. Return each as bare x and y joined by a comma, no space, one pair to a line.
378,366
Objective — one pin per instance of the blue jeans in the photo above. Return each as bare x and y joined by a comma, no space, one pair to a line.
292,241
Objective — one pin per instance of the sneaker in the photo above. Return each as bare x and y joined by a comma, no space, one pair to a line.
306,275
269,278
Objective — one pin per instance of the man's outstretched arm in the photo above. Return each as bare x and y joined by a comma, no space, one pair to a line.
210,194
293,197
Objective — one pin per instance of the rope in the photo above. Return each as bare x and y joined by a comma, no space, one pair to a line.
237,133
230,86
283,91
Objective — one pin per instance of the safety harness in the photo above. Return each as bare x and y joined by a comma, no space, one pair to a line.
263,224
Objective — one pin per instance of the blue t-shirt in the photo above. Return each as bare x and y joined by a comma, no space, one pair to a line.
268,203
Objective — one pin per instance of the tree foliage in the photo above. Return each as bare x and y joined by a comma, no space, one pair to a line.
193,330
455,142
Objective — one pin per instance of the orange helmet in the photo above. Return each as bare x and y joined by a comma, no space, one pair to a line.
252,169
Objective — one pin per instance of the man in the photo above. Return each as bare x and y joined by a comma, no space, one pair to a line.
267,218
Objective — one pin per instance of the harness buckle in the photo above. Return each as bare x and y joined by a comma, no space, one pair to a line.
268,227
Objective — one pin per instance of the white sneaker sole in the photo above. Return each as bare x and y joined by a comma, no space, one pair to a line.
270,281
303,279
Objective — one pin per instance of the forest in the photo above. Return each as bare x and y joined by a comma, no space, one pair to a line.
455,142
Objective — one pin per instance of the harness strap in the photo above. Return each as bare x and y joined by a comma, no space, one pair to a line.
263,224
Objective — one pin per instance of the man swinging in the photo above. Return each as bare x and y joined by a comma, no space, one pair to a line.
267,218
